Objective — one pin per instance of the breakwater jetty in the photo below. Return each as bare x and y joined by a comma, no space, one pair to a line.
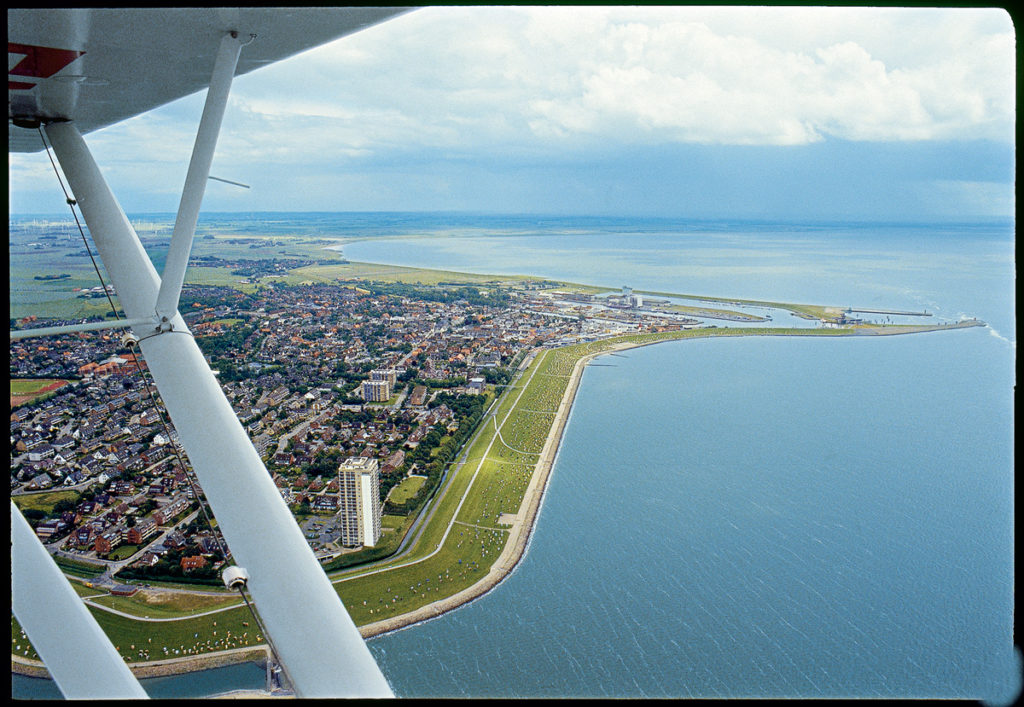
925,313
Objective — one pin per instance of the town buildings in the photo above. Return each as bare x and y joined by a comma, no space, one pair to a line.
298,365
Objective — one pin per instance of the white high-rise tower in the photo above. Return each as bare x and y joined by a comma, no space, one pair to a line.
359,501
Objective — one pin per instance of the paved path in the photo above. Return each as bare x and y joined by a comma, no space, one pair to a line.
136,617
462,500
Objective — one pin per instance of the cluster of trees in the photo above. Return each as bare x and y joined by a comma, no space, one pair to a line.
365,555
197,297
325,463
223,349
36,515
436,450
454,382
350,417
461,405
168,569
266,266
231,342
491,297
497,375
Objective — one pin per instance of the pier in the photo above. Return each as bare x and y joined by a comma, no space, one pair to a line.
925,313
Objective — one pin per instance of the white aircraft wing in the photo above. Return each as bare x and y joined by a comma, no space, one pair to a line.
100,66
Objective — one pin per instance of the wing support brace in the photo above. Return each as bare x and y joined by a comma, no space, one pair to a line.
80,657
318,644
17,334
196,178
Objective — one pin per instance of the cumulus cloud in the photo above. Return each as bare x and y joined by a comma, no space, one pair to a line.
451,76
478,97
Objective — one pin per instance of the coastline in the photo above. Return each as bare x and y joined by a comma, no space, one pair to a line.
522,528
519,533
513,552
162,668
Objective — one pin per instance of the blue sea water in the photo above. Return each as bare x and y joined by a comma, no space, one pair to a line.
206,683
758,517
772,517
949,270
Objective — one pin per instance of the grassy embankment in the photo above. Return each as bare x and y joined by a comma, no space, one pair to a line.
158,604
30,386
450,556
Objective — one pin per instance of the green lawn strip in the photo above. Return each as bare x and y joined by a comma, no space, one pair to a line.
504,404
577,288
158,584
229,322
527,429
499,488
218,276
465,557
56,306
123,552
44,501
434,532
712,312
245,247
392,522
20,645
413,569
144,640
396,273
53,298
406,489
147,640
812,311
504,477
85,570
181,605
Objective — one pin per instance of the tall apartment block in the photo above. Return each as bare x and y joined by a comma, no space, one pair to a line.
376,391
385,374
359,501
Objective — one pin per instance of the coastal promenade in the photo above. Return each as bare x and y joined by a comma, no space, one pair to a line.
520,530
522,523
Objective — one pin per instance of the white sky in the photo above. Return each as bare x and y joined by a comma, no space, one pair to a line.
489,108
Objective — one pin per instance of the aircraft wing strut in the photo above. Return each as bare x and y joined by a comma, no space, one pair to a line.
57,80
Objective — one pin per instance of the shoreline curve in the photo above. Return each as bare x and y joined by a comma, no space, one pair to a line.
519,534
